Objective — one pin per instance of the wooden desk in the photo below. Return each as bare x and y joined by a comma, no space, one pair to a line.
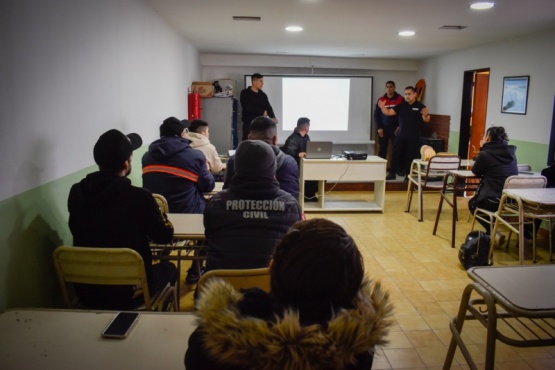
373,169
63,339
418,167
217,188
459,183
189,231
526,204
527,314
187,226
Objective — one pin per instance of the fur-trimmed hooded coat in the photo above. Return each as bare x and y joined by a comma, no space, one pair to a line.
251,330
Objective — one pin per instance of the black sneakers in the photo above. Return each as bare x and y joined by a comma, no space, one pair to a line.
192,275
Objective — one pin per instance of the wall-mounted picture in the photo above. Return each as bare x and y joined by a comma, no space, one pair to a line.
515,94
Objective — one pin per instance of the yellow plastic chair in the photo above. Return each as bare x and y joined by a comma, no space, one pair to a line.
108,266
162,203
239,279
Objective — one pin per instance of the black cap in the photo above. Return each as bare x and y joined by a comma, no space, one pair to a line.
113,148
172,127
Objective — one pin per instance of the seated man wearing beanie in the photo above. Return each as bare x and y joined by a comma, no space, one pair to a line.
244,223
175,170
287,171
105,210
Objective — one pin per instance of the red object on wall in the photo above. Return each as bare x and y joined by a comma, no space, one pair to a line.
194,106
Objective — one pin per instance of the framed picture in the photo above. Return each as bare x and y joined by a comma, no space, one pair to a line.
515,94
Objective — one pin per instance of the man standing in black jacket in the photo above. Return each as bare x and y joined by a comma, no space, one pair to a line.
255,103
106,211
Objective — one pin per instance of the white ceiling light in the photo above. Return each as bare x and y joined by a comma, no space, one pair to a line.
407,33
293,29
482,5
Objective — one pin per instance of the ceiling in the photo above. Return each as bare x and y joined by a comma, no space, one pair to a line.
350,28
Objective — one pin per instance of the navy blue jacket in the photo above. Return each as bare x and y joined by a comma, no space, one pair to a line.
380,119
244,223
287,172
172,168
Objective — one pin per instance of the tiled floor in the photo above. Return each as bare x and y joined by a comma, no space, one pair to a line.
426,282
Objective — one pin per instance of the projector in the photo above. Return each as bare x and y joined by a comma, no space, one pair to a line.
355,156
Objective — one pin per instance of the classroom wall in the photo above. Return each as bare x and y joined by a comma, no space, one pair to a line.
72,69
225,66
531,55
69,71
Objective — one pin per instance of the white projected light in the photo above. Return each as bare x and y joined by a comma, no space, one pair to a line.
324,101
339,107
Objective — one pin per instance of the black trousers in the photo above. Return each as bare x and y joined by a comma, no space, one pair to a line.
310,188
388,134
405,149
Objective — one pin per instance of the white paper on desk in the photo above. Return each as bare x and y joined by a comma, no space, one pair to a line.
231,152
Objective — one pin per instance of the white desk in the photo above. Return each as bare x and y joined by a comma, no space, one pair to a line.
526,204
62,339
373,169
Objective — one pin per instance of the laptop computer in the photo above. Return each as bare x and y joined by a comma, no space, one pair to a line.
318,149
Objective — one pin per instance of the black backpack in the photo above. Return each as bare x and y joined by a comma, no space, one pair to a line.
475,250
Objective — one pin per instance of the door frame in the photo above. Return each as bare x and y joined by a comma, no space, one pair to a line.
466,109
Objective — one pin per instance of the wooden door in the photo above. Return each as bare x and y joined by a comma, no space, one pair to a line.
479,110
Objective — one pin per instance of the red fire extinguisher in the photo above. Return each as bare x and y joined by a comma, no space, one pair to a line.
194,106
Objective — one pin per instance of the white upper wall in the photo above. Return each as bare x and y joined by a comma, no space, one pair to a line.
533,56
73,69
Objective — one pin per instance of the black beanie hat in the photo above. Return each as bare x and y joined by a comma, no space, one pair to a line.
171,127
255,158
113,148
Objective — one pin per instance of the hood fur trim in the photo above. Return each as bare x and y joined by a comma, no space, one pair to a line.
248,341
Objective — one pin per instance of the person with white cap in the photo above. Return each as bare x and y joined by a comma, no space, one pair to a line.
105,210
244,223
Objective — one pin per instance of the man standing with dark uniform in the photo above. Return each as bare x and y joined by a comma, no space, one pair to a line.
386,125
412,114
255,103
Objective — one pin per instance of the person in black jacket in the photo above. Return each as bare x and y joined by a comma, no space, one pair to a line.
244,223
387,125
496,162
322,313
295,146
255,103
287,171
106,211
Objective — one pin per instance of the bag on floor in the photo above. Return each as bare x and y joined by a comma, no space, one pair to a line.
475,250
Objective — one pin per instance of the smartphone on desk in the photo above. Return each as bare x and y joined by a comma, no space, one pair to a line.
121,325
